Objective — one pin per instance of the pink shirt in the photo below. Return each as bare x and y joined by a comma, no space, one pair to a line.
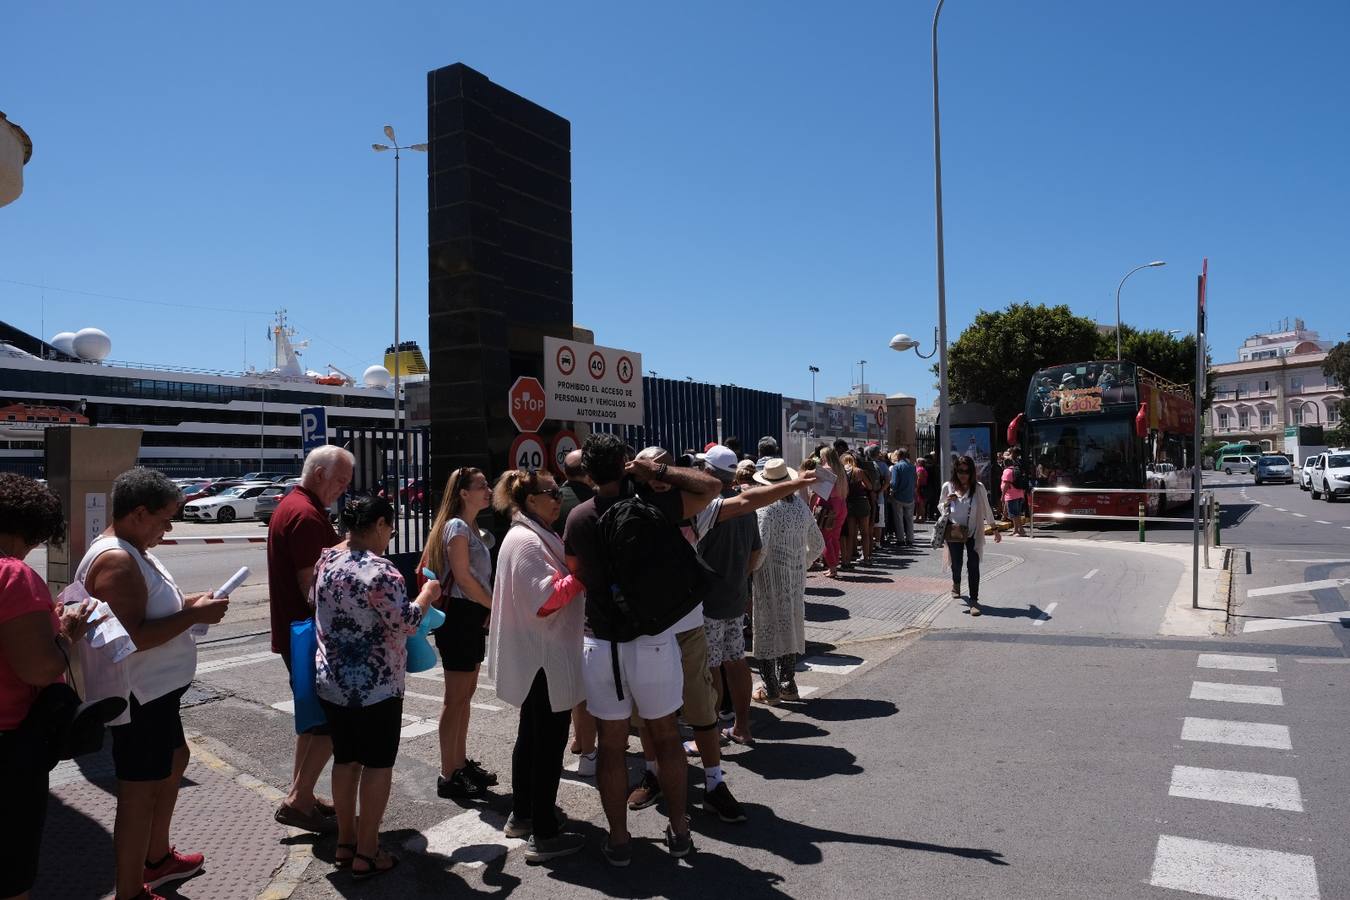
1010,490
22,591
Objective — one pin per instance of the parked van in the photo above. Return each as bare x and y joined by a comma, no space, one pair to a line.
1241,464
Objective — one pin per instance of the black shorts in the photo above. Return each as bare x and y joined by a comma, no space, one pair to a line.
365,734
321,730
21,824
462,638
143,748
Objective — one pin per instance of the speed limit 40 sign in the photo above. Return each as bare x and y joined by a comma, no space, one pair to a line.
527,452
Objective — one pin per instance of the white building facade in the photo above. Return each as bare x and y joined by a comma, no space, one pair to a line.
1277,383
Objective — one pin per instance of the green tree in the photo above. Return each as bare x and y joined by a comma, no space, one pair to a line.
994,358
1337,365
1157,351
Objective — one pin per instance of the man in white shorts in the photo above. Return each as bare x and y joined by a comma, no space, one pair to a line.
642,675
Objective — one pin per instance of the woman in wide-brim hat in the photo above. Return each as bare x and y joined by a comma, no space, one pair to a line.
791,541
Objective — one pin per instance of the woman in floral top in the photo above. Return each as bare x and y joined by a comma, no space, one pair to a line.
363,619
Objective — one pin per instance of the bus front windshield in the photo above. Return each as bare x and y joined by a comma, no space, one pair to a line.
1085,453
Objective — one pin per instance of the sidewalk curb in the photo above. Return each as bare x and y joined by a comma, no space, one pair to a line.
289,874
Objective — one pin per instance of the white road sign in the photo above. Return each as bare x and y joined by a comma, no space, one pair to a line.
586,383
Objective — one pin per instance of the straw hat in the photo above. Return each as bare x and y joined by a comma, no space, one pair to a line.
775,472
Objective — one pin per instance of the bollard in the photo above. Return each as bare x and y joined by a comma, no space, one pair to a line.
1141,523
1218,523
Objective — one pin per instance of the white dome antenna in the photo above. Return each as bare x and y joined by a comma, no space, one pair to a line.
92,344
377,378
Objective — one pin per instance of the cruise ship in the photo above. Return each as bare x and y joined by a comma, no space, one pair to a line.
194,422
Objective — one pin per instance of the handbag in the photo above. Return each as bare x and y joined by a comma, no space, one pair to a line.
826,519
959,534
304,649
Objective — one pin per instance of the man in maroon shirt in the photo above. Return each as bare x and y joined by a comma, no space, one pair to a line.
298,533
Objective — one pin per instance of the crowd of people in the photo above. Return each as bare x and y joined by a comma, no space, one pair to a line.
620,599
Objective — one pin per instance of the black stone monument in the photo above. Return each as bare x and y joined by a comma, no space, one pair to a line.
499,248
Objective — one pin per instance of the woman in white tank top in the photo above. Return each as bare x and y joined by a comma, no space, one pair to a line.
149,753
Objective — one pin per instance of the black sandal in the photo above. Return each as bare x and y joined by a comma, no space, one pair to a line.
343,862
374,866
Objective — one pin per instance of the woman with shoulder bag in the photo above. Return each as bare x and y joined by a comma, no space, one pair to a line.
461,555
34,643
859,502
965,507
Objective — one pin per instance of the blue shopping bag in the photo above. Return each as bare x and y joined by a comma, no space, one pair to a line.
304,649
421,655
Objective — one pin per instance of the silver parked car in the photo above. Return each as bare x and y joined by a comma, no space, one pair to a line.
1274,467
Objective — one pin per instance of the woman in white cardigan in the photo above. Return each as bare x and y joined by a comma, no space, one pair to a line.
966,502
534,656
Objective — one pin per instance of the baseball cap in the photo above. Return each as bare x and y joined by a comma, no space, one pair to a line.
721,458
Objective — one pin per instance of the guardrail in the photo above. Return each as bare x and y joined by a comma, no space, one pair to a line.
1210,511
222,539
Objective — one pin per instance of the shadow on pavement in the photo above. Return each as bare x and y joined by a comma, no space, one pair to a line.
825,612
1011,612
799,843
797,762
828,709
824,592
71,836
864,579
428,874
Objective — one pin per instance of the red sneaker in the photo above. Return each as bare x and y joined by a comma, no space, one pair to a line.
147,894
173,867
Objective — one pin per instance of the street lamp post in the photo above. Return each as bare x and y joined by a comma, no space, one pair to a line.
944,417
398,417
902,342
814,372
1152,265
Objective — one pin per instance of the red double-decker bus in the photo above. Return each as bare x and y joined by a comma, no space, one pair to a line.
1107,424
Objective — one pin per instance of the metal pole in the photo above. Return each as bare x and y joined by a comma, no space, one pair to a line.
1196,473
398,419
944,404
1209,512
1141,523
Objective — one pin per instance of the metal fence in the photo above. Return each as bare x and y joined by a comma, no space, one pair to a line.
750,415
374,474
925,441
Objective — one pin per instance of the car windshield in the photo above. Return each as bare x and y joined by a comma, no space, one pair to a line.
1275,460
231,492
1339,461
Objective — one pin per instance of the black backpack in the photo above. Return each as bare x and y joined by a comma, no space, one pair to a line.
656,577
1020,477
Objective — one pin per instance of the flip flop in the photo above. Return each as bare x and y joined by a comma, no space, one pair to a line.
374,869
728,735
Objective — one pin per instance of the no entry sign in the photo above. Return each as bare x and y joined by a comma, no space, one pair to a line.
588,383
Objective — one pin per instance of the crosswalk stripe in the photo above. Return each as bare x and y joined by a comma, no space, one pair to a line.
831,665
1237,693
1320,584
232,662
1241,734
1244,788
1238,873
473,839
1090,574
1294,621
1045,613
1237,663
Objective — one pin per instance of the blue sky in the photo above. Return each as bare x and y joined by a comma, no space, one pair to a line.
752,182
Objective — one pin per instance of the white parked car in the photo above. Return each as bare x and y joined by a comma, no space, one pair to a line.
1331,475
230,504
1305,474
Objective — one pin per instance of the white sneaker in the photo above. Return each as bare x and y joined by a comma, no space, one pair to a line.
586,764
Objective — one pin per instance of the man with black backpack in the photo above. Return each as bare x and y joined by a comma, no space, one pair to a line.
641,576
691,634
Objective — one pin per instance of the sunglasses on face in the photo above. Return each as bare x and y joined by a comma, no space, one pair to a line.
554,492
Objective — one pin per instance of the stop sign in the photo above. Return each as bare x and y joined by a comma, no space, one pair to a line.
525,404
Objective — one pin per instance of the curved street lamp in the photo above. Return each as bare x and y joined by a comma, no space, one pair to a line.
903,342
1152,265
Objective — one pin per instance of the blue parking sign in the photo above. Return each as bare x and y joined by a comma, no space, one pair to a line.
313,428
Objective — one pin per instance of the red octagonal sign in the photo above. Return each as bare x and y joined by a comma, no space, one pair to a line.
526,404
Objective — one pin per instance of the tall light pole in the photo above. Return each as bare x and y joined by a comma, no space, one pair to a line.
862,378
814,372
944,407
1152,265
398,418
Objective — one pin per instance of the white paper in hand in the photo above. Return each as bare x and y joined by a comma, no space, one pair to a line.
224,590
824,483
